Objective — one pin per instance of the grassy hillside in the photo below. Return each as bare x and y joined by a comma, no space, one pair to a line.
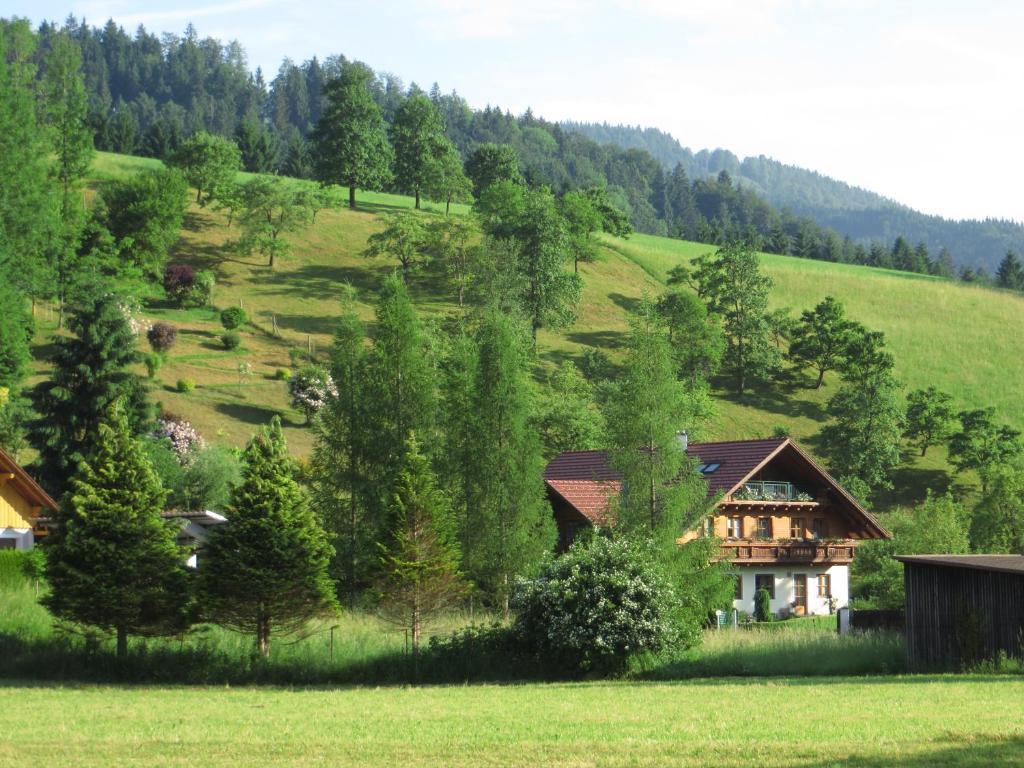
960,338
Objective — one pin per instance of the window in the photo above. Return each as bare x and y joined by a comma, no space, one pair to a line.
824,585
739,586
735,527
8,543
709,527
796,528
820,528
765,581
764,527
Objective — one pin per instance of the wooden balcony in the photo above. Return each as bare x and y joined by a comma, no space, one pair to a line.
782,552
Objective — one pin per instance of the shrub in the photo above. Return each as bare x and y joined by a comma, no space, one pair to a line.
230,340
202,291
186,385
310,387
596,606
183,436
179,280
153,362
763,605
282,374
233,317
162,336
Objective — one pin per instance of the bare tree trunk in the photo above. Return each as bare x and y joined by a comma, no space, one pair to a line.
821,378
122,642
352,198
417,199
504,607
263,636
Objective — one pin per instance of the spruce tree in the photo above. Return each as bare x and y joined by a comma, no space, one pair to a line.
350,142
265,572
507,525
113,561
90,373
420,561
1010,273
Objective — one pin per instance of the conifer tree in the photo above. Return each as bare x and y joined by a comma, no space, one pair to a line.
114,562
662,496
1010,273
507,525
340,488
350,143
90,373
420,562
266,572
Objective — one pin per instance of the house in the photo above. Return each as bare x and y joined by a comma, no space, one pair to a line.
194,530
22,503
962,609
785,524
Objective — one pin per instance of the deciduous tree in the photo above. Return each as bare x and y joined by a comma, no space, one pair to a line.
930,417
821,337
982,444
208,162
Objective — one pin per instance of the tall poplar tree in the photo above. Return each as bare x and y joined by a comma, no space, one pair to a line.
507,525
340,487
113,561
66,108
266,572
350,142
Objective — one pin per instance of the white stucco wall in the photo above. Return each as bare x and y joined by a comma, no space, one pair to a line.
785,589
22,536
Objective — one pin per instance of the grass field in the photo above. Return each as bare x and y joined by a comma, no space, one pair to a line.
954,336
911,722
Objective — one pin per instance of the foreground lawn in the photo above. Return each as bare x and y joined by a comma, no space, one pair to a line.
908,721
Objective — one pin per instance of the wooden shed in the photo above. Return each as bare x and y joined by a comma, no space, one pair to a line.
961,609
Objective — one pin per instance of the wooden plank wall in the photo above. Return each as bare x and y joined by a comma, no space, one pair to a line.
958,616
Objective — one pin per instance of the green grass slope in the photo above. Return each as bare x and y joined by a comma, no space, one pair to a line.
960,338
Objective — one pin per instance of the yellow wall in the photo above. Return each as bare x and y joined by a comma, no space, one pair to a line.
15,512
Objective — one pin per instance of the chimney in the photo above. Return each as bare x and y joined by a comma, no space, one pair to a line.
684,439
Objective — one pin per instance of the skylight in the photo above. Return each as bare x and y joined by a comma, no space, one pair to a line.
707,469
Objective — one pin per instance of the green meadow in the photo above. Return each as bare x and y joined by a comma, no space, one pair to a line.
796,723
958,337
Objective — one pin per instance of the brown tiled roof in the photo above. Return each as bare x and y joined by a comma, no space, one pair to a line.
1002,563
27,487
587,481
737,459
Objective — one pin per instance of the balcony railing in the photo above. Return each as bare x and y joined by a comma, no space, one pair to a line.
789,552
771,491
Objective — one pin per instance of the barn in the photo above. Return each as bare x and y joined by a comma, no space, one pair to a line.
962,609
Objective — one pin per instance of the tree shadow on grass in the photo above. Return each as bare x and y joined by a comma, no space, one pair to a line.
771,398
628,303
911,484
253,414
322,281
307,323
602,339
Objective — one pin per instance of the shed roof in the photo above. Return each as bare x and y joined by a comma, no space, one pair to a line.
1000,563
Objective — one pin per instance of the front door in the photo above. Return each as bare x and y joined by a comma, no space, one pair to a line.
800,589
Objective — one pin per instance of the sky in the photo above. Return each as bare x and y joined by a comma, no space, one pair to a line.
918,101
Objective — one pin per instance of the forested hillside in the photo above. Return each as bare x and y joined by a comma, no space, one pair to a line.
147,93
851,211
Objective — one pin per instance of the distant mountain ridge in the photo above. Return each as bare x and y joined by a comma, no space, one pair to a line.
850,210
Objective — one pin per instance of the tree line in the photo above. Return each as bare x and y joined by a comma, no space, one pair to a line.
147,95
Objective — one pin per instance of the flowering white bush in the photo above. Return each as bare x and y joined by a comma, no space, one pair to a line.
129,308
185,440
596,605
310,387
